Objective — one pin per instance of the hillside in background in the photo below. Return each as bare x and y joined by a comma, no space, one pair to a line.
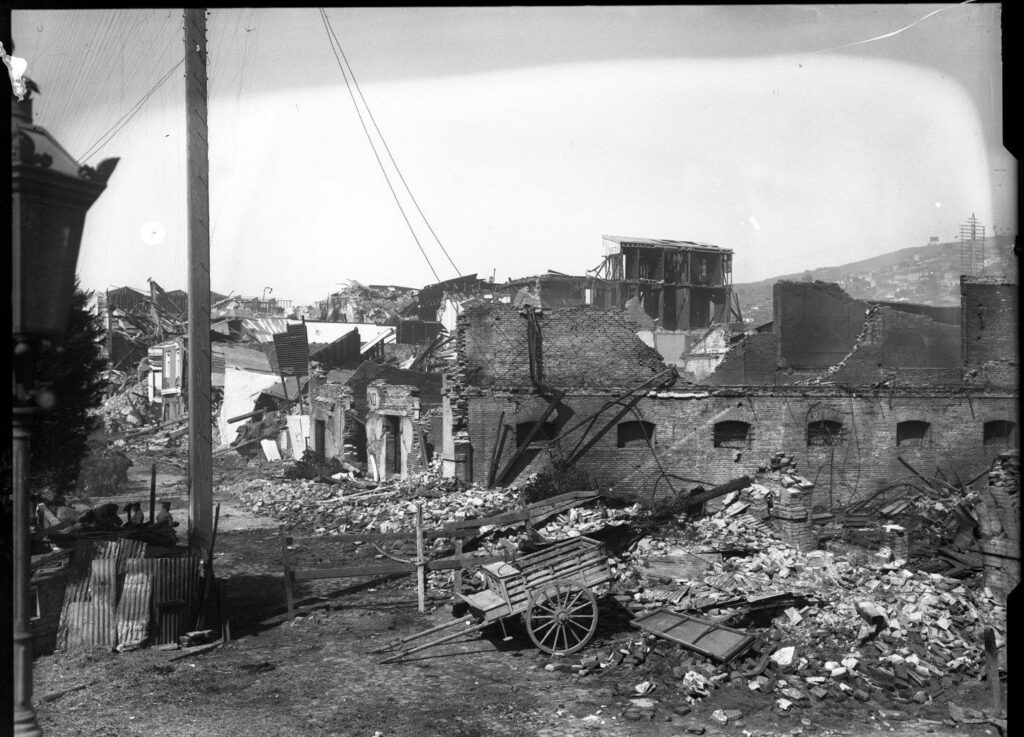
923,275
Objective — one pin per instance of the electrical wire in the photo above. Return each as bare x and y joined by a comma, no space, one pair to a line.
376,155
327,28
385,143
106,137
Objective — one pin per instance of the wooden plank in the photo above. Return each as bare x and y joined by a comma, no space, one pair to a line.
388,569
703,636
421,570
457,574
380,569
386,536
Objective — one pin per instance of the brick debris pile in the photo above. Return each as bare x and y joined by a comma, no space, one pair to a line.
826,627
312,507
127,405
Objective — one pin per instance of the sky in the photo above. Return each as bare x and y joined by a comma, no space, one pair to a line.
798,136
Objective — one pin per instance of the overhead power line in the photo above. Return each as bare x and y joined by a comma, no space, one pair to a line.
108,136
343,64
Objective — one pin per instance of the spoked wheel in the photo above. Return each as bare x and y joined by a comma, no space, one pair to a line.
562,618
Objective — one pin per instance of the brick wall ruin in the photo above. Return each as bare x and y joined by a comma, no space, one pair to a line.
865,454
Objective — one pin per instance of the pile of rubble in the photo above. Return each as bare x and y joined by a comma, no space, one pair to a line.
332,509
827,628
127,405
841,623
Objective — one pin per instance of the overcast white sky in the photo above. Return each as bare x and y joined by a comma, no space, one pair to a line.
527,133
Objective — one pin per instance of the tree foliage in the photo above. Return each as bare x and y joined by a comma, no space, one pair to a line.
75,376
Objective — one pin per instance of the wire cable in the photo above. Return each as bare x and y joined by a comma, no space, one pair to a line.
104,139
327,28
386,147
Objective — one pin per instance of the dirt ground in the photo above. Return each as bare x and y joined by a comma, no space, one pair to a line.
318,675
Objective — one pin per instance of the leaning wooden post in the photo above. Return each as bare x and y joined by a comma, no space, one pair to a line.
457,573
421,572
152,492
287,572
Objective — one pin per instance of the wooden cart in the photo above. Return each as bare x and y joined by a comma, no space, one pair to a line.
550,589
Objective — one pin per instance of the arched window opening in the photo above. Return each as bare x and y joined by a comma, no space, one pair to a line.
634,433
733,434
825,433
1000,434
913,433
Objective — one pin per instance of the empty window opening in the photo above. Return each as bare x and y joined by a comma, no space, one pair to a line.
825,433
912,432
1000,433
634,433
733,434
547,431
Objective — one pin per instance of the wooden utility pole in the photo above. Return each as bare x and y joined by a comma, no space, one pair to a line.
200,441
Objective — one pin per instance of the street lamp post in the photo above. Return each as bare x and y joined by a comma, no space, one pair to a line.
50,194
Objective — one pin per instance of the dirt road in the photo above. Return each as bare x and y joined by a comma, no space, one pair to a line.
318,676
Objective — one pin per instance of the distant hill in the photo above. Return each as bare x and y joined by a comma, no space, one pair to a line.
923,275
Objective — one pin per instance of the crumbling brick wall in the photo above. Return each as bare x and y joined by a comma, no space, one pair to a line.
330,404
865,457
817,323
989,320
902,346
580,347
998,513
752,361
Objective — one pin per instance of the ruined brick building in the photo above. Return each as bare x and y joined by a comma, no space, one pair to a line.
854,391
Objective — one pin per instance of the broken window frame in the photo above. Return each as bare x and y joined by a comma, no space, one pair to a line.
825,433
999,434
634,433
913,433
734,434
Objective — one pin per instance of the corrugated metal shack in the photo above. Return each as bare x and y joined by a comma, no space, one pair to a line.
110,595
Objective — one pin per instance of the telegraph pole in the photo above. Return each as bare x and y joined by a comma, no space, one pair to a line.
200,442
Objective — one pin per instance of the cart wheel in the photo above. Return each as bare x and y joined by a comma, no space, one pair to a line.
562,618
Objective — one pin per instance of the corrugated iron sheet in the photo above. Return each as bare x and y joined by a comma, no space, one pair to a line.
91,619
88,615
175,585
134,608
262,329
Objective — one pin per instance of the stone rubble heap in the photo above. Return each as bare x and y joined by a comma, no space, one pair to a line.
312,507
865,628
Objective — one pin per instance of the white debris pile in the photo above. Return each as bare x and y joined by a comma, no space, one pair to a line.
858,627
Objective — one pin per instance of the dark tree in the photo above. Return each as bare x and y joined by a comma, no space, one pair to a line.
75,376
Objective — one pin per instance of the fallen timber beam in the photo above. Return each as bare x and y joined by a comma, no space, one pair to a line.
705,496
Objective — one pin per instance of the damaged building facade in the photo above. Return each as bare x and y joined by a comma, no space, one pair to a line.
859,394
678,293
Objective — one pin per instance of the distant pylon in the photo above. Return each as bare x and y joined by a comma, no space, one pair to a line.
972,247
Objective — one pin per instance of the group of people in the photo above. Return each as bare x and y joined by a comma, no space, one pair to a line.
106,517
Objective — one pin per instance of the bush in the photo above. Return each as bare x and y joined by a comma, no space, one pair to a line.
562,478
